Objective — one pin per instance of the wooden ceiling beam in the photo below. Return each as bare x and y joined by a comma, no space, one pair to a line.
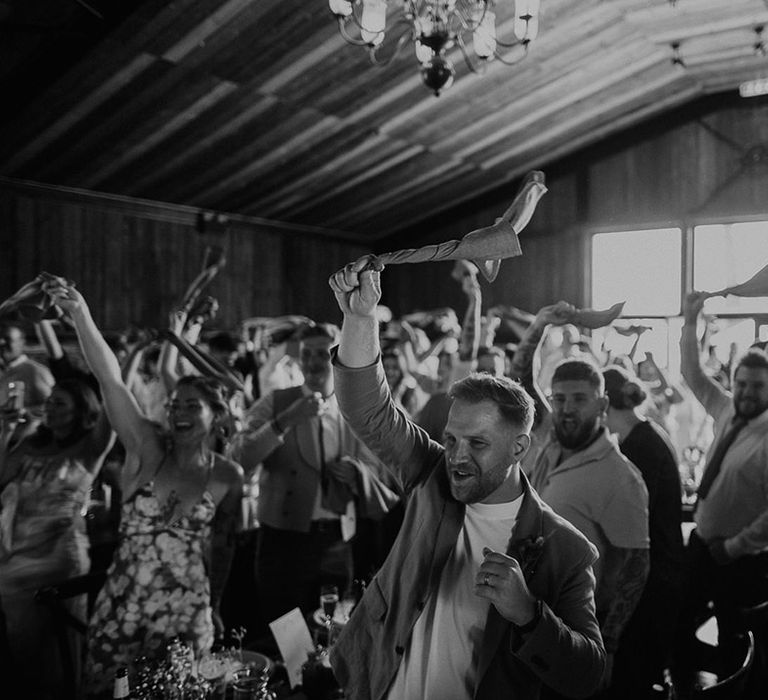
574,89
201,140
404,154
178,120
70,116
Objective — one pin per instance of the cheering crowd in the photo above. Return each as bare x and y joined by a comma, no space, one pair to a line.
503,499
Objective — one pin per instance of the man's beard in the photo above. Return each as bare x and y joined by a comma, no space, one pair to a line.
753,408
577,438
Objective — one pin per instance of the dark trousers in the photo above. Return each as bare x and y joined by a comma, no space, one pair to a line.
730,587
646,644
291,566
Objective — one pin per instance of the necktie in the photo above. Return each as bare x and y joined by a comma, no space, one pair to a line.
321,443
716,460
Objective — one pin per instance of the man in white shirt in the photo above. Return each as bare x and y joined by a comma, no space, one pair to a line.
487,593
728,551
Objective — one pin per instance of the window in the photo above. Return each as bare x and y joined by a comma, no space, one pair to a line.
643,268
728,254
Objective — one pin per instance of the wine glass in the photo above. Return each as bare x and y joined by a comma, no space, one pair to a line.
329,599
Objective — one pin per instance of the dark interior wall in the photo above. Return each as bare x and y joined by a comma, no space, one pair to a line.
707,161
133,260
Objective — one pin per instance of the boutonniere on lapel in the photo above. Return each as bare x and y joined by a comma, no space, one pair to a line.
529,552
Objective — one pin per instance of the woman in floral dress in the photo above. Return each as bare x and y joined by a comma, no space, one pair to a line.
181,501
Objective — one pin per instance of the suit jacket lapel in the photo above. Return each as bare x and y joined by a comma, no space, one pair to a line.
527,529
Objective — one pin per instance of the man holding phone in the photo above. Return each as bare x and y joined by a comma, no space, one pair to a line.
24,383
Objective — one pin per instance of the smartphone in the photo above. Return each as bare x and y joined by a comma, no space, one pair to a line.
15,396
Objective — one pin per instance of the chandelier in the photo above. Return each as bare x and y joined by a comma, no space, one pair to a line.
434,27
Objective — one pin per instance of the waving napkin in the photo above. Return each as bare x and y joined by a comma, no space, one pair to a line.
203,362
755,286
213,261
592,318
485,247
31,302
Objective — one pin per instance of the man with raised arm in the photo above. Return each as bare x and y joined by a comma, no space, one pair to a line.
486,593
581,473
728,551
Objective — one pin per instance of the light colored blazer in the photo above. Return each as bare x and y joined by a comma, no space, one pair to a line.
290,475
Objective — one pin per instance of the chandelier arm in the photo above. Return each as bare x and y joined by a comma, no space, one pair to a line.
347,36
469,25
510,45
521,58
467,58
401,41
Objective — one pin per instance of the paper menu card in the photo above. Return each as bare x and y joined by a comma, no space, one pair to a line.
294,641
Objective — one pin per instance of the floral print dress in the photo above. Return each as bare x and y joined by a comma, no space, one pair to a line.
156,589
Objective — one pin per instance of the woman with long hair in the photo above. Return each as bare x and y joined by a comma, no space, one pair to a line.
45,480
651,627
181,503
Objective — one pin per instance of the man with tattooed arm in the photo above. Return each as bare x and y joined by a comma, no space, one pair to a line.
580,473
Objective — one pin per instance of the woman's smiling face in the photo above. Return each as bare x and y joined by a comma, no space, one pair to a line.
190,416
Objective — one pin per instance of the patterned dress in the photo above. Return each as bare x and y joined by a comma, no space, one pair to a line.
157,588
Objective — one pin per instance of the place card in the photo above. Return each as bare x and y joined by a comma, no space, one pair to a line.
294,641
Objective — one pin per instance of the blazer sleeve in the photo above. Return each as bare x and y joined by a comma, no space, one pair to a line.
366,404
565,649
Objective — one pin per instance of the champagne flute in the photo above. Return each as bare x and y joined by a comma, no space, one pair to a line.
329,599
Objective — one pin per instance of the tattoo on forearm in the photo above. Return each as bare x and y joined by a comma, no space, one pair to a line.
629,588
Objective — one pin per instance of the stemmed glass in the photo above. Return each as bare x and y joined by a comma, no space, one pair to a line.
329,599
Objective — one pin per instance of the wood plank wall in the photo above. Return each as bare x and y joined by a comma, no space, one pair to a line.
704,163
133,260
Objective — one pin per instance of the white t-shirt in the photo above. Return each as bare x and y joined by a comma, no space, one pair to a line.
441,660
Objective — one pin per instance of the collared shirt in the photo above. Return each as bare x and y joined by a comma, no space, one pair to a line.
601,493
736,507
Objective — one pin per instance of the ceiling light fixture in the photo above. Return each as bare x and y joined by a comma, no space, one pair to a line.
434,27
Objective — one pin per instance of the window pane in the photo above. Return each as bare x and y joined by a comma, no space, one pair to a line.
618,339
641,267
729,254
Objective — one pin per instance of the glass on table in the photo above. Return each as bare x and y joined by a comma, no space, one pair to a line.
249,683
213,667
329,599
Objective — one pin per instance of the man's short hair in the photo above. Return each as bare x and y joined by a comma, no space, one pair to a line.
514,403
572,370
486,350
320,330
754,358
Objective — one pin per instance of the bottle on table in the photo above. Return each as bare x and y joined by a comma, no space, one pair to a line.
121,689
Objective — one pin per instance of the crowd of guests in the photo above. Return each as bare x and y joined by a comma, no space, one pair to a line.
506,500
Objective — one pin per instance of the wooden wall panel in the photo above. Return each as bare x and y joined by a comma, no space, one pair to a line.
133,264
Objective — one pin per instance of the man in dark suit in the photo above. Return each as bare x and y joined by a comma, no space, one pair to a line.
316,478
487,593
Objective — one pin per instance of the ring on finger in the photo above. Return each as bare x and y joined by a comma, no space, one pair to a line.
486,580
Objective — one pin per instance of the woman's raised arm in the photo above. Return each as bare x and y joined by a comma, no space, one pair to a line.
123,411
